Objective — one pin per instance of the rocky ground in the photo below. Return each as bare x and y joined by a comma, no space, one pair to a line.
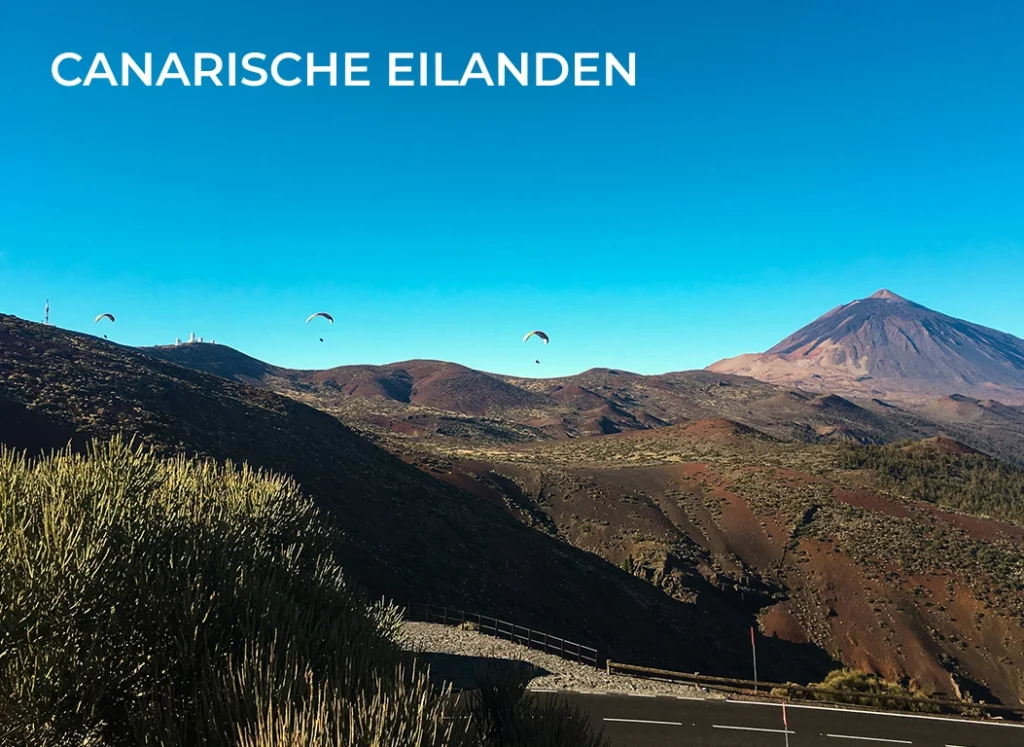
455,655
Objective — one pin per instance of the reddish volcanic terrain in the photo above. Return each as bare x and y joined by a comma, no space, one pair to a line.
869,518
820,552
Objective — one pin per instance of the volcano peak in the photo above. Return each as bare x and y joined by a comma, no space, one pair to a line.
887,295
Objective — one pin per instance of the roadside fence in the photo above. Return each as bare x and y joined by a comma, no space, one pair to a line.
535,639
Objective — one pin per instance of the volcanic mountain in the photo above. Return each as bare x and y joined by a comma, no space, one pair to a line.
885,345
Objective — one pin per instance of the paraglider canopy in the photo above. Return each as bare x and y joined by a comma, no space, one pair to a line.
537,333
104,316
324,314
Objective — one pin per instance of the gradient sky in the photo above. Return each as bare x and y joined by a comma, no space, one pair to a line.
774,160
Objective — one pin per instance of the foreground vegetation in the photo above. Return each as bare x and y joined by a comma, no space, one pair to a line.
180,603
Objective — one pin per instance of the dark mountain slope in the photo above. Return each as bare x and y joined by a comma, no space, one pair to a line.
25,429
406,535
220,360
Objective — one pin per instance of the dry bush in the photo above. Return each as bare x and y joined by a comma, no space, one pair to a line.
860,688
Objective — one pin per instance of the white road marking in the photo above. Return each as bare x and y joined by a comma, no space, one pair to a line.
868,739
751,728
952,719
642,721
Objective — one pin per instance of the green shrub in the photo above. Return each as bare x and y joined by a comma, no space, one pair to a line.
860,688
179,603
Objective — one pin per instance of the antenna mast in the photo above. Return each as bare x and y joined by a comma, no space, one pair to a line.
46,314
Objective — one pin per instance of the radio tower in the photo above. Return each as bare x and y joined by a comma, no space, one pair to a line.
46,314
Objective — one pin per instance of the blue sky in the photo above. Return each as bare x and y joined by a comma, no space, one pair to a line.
773,161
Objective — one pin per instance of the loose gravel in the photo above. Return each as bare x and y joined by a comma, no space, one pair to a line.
455,654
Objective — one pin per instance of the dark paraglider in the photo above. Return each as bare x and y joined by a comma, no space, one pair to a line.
324,314
541,335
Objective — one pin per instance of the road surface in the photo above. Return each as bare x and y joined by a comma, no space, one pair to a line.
676,722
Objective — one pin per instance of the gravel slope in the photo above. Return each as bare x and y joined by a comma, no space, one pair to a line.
454,655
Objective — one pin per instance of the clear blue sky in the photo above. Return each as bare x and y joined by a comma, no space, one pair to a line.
774,160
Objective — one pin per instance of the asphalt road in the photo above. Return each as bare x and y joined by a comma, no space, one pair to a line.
676,722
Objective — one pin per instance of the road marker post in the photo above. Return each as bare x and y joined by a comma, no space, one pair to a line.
753,649
785,723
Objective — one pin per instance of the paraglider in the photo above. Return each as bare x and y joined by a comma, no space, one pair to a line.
541,335
324,314
104,316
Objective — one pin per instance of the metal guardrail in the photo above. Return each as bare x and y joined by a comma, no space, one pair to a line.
499,628
765,688
425,612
